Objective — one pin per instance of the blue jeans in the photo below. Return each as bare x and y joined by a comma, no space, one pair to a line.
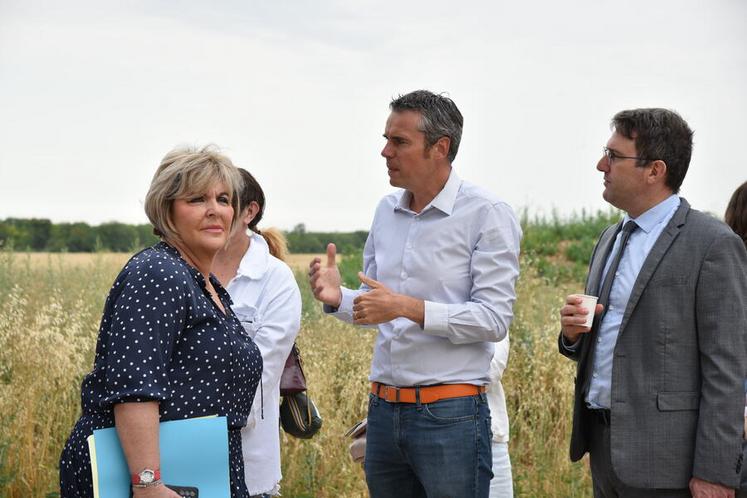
435,450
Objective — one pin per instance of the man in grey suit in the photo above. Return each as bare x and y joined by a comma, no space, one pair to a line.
659,386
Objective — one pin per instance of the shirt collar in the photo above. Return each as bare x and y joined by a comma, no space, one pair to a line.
655,215
256,260
444,200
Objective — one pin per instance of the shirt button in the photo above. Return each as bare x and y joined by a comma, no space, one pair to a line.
404,274
594,375
599,340
611,308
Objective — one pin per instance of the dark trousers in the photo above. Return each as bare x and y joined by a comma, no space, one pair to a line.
606,483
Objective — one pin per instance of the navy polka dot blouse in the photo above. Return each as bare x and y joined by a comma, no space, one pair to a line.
162,338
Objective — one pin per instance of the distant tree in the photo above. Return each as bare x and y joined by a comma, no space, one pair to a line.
39,232
57,238
117,237
301,241
18,233
79,237
145,235
7,232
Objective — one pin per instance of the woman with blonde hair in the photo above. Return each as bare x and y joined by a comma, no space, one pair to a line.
267,301
169,347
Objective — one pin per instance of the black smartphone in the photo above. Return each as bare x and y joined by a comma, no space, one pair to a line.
184,491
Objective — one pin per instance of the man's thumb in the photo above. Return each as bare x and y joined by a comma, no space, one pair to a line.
368,281
331,253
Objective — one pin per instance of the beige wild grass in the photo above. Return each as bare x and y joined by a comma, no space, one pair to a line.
49,312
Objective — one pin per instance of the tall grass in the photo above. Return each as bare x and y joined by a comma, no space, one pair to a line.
47,335
49,313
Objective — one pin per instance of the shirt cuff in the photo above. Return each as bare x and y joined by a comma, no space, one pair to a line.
436,317
569,347
346,304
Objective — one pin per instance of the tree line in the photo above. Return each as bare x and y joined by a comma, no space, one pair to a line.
38,234
300,241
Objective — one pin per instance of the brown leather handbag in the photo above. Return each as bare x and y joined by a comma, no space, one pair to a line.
292,380
299,416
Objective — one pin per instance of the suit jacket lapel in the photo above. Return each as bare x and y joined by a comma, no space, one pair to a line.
662,245
606,241
593,283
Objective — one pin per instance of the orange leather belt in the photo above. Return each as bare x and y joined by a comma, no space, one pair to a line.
428,394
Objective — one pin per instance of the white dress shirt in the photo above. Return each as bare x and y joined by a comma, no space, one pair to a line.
460,255
267,301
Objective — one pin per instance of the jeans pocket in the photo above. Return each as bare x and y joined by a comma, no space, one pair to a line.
449,411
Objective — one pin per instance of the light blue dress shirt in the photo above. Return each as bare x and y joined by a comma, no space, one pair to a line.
650,225
460,255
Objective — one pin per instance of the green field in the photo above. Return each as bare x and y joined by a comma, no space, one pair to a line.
50,307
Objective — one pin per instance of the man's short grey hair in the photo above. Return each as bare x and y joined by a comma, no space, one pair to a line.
439,117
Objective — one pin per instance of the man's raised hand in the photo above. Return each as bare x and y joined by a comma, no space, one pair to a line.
325,278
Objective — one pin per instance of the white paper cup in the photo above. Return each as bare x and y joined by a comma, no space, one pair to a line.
590,303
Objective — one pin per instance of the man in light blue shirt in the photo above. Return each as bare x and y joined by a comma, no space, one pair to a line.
649,226
440,265
659,397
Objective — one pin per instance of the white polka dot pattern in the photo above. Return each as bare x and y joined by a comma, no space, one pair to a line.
162,338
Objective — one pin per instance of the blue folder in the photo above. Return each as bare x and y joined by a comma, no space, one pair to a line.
194,452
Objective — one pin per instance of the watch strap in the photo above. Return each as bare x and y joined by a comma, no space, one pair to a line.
137,479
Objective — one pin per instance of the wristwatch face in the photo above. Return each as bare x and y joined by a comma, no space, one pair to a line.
147,476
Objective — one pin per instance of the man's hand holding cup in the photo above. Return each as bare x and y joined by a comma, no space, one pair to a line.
577,316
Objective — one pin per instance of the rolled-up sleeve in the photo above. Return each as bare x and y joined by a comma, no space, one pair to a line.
494,268
148,315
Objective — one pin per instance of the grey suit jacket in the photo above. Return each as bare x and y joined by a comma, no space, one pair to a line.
680,361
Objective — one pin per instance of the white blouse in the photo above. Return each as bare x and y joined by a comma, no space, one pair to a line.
496,396
267,301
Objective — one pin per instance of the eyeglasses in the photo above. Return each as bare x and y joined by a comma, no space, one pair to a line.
613,156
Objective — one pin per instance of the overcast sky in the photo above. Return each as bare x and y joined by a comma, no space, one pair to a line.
94,93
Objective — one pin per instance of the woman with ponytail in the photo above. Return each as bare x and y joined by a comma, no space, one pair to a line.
267,301
736,218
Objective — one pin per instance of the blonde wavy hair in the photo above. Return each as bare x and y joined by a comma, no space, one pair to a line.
183,172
